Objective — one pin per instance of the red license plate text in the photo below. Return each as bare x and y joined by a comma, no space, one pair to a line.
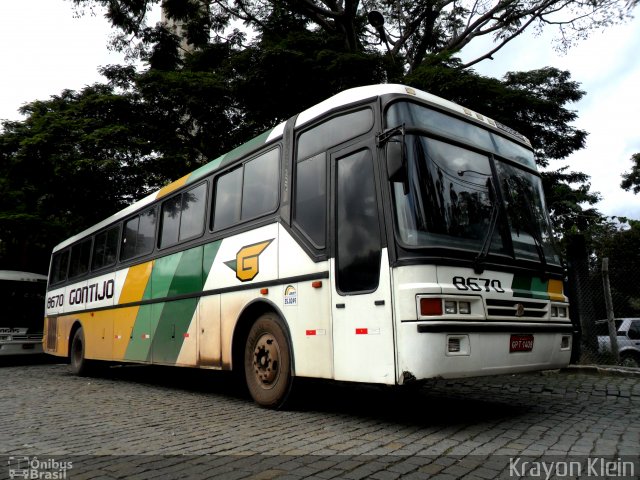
521,343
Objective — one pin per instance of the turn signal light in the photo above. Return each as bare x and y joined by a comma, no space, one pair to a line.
430,306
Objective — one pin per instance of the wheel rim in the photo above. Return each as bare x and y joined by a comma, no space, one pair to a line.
266,361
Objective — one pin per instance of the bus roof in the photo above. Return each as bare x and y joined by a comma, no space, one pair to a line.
342,99
17,276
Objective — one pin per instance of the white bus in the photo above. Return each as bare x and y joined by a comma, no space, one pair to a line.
22,299
384,236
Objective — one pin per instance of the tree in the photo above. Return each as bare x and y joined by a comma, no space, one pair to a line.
621,245
77,158
631,180
414,29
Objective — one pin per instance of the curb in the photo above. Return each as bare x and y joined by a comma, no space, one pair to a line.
602,370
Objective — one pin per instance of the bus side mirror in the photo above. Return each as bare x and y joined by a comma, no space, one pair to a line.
396,163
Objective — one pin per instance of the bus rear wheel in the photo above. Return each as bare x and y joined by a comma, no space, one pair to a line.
267,362
79,364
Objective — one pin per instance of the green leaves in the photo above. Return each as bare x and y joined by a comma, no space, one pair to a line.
631,180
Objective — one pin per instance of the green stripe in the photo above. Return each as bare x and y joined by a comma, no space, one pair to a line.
139,349
529,287
539,288
164,270
246,147
167,322
173,320
204,170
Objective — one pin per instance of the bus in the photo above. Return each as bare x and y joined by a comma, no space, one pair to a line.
384,235
22,298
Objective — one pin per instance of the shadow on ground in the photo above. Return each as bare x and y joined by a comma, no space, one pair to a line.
35,359
425,404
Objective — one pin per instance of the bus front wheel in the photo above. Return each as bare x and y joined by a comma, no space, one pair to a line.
267,362
79,364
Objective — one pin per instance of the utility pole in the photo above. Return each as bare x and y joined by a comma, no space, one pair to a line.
613,337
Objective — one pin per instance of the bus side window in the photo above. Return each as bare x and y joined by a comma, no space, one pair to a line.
80,255
139,234
248,191
59,266
357,226
105,248
228,198
260,185
183,216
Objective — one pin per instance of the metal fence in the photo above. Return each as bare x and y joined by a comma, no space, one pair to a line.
605,308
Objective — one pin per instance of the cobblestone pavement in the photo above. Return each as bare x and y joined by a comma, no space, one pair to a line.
148,422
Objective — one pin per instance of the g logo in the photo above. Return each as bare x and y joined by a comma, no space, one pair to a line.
246,264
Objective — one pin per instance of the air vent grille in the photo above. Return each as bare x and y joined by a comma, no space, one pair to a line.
52,332
525,309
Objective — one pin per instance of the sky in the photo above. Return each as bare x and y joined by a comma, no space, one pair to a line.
45,50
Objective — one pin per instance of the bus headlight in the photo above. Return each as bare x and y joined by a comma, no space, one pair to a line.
449,305
559,311
465,308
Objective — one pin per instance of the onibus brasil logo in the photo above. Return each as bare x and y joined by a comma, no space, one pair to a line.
246,265
31,468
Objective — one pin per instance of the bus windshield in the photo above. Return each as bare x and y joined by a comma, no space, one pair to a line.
452,195
23,304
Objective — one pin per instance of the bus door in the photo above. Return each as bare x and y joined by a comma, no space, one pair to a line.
361,287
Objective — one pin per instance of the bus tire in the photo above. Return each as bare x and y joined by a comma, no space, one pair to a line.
267,362
79,364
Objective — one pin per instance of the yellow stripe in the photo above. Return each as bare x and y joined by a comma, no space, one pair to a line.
172,187
554,289
135,283
132,291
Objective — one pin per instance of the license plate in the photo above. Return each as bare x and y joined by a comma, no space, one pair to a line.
521,343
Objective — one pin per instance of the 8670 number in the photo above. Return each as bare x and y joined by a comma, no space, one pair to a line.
478,284
55,301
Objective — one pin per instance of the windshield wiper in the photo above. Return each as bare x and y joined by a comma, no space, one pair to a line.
541,255
537,242
527,225
486,244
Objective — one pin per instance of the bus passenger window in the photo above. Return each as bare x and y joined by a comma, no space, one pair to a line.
170,228
105,248
59,266
183,216
146,232
192,208
260,185
228,196
139,233
80,254
248,191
